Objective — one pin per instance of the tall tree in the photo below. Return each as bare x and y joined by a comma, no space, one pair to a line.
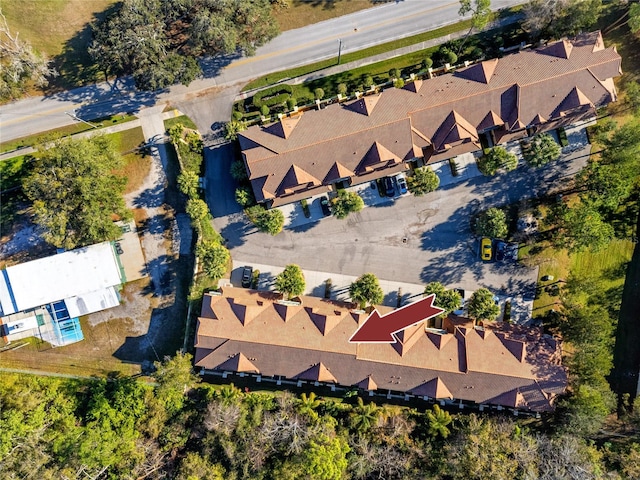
366,290
480,14
290,281
439,421
75,191
583,227
214,257
345,203
174,377
634,17
492,223
364,416
423,180
558,18
158,41
498,157
482,306
541,150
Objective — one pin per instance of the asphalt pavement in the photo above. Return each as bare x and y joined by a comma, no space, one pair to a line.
292,48
414,240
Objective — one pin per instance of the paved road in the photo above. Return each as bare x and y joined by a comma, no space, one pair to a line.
295,47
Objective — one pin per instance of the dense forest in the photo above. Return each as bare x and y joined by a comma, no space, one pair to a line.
172,427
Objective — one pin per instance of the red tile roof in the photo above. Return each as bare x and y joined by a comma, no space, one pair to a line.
447,111
309,341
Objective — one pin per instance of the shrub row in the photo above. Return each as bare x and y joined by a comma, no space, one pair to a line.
272,96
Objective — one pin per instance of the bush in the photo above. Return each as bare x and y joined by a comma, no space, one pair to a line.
423,180
237,115
264,110
398,83
367,81
238,171
342,88
454,167
562,137
318,93
427,63
305,208
272,95
394,73
244,196
291,103
345,203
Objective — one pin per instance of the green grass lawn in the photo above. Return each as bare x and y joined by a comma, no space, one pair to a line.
407,64
359,55
78,127
183,119
60,29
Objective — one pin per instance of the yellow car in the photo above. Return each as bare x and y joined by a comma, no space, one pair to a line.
485,249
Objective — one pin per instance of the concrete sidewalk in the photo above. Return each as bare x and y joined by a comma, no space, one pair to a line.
396,294
316,282
380,57
121,127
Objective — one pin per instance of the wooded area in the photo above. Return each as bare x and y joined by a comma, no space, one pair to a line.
178,428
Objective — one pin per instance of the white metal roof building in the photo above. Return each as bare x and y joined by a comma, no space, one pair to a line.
77,282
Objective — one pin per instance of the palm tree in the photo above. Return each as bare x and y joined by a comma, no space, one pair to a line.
228,394
438,422
364,416
308,404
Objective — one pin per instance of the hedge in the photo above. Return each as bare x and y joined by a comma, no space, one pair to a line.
274,92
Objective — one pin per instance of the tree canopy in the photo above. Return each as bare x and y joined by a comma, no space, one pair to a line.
498,157
492,223
449,300
541,150
290,281
345,203
558,18
423,180
122,427
366,290
76,193
482,306
158,41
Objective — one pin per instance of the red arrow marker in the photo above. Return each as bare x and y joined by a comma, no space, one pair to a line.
377,329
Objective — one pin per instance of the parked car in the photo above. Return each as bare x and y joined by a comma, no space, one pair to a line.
389,187
501,248
247,276
326,206
485,249
402,184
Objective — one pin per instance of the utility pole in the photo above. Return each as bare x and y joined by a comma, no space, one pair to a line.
339,50
73,115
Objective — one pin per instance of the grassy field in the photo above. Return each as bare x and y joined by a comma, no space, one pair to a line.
60,29
305,12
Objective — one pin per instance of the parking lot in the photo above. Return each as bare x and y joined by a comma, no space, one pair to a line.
414,240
